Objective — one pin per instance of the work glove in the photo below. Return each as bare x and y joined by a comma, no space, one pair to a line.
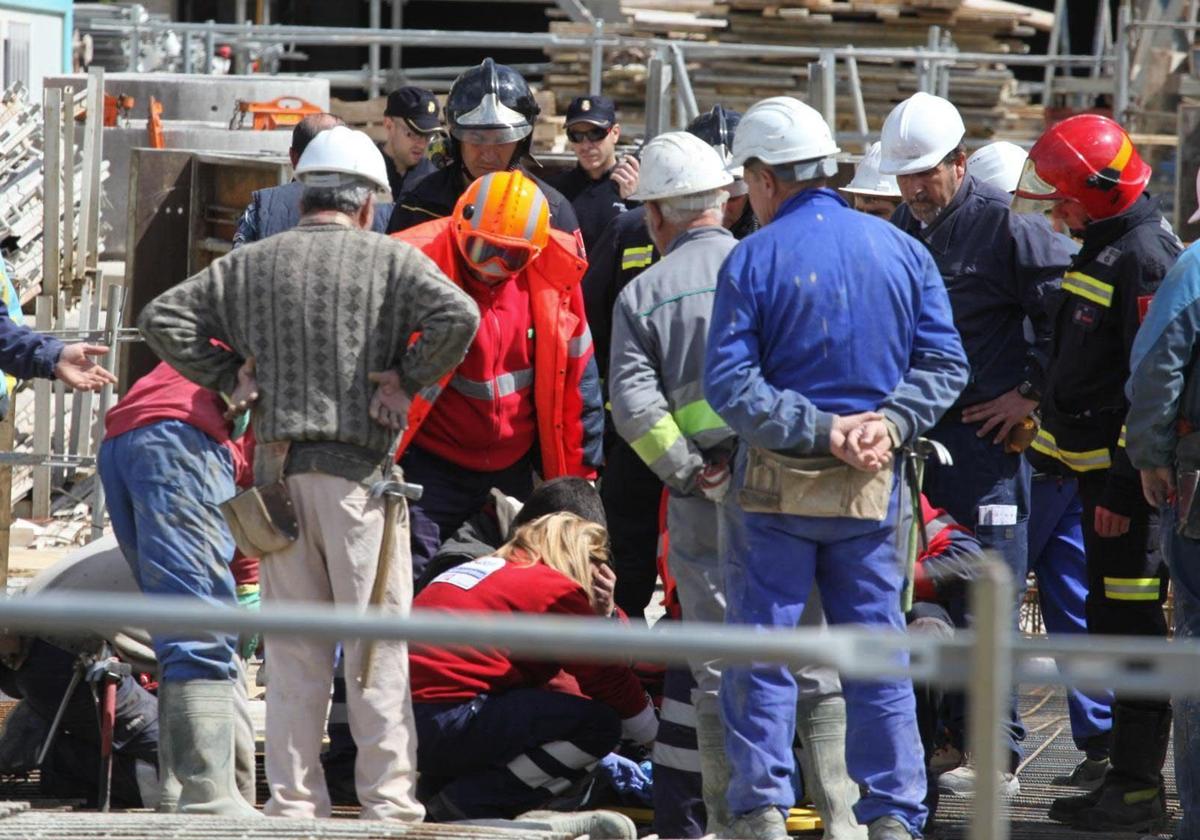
712,482
249,598
627,778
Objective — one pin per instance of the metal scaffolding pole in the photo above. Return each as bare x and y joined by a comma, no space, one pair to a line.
376,21
396,50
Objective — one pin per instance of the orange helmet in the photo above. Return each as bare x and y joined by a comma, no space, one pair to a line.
1089,158
501,223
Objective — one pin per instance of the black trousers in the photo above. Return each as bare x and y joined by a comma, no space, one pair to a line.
631,494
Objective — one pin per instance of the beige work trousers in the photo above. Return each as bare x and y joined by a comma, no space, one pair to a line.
335,559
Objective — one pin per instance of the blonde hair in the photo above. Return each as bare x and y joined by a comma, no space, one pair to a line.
562,541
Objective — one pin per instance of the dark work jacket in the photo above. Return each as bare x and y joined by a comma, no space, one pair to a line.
1108,289
622,252
999,267
401,184
26,354
596,201
435,195
276,209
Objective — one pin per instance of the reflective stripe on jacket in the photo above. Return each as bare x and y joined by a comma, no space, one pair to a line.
565,385
656,381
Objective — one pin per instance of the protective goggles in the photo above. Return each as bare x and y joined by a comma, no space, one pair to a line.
594,134
481,252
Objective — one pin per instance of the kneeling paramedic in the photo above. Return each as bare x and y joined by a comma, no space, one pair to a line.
817,410
1088,167
527,395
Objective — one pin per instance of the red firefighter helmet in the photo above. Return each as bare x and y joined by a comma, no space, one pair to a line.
1089,158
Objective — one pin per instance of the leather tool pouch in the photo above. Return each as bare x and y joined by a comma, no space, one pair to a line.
1187,482
777,483
263,518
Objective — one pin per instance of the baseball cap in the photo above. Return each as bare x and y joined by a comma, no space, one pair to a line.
417,106
597,110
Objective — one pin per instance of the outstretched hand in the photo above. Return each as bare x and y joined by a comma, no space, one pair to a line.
390,402
76,368
245,393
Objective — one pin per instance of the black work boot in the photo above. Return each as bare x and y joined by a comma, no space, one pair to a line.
1131,798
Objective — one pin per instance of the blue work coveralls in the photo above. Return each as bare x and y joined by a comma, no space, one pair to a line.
824,312
1163,390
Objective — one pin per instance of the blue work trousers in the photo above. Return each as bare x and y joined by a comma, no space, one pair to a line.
452,495
1183,559
985,483
771,562
1057,558
502,754
163,484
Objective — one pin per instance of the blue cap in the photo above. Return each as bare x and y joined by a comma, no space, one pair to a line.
597,110
417,106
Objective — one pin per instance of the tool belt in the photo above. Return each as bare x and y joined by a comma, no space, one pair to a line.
825,487
263,518
1187,481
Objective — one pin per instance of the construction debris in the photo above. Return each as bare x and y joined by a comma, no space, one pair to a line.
986,94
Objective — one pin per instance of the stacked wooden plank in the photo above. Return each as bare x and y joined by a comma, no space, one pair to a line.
985,93
21,185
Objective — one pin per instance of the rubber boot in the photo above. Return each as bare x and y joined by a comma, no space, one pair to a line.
821,726
714,772
245,752
766,823
1132,796
197,720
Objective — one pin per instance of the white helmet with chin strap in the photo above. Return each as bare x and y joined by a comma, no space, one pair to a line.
781,131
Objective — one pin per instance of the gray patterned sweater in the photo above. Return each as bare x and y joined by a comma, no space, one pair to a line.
318,307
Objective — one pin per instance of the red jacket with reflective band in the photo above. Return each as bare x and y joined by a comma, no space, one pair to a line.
562,346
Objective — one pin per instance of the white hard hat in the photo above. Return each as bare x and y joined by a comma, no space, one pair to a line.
783,130
677,164
999,164
868,181
918,133
339,155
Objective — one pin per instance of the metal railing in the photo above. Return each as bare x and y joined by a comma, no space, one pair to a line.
931,62
986,660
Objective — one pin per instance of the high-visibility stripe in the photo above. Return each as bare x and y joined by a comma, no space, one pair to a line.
1123,156
677,758
502,386
1088,287
937,525
569,755
535,777
579,345
676,711
695,418
430,392
1121,438
1131,589
656,442
1092,459
639,257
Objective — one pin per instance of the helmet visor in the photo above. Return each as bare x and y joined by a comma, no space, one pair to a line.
1031,185
482,252
499,123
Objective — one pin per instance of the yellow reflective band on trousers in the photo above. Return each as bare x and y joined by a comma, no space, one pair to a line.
656,442
1088,287
1121,438
639,257
1093,459
1131,589
695,418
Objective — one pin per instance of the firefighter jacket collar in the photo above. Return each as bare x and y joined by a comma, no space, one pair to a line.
1103,232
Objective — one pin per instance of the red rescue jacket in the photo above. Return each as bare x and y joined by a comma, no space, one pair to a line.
562,345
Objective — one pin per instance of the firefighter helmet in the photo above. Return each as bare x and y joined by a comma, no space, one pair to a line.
501,223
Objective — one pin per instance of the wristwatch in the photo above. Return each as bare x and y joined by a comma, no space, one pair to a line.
1029,391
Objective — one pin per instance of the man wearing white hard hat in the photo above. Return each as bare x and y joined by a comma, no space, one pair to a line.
870,191
660,321
326,311
997,274
832,345
999,164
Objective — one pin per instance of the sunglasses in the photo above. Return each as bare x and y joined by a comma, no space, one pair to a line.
595,134
512,258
